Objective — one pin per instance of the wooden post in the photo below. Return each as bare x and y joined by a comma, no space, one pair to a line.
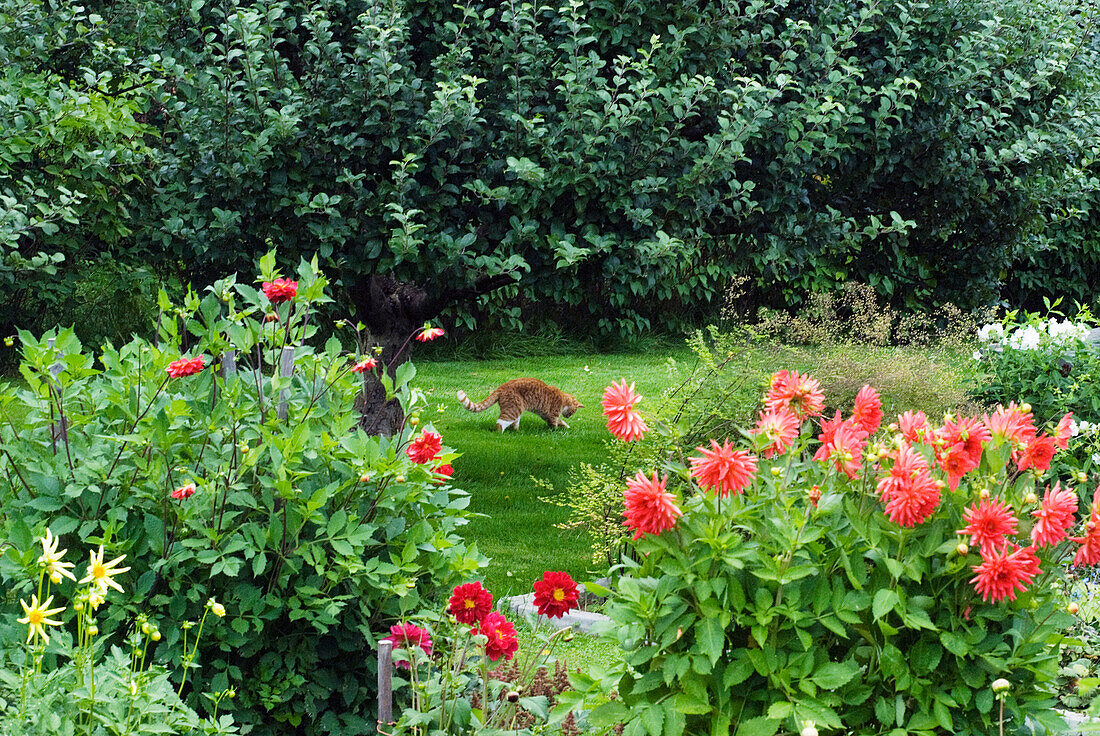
229,363
286,370
385,684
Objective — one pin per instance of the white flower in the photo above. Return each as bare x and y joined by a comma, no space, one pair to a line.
991,332
1096,458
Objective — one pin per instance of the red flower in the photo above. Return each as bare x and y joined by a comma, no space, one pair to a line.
1012,424
280,290
956,462
990,523
429,333
1037,454
555,594
500,635
1064,430
185,367
845,448
184,492
366,364
446,471
723,469
650,509
469,603
867,411
1055,516
910,492
914,427
779,428
425,447
618,406
407,636
798,393
1089,552
828,429
1002,573
968,434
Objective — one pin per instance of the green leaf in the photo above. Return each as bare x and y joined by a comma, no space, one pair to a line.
832,675
711,637
885,600
760,726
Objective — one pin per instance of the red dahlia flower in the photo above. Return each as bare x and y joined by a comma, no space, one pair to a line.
184,492
779,428
650,509
1054,517
500,635
407,636
723,469
429,333
469,603
968,435
1003,573
1064,430
798,393
280,290
618,406
364,365
845,448
914,427
1037,454
186,367
990,523
910,492
425,447
867,411
1012,424
446,471
555,594
1089,551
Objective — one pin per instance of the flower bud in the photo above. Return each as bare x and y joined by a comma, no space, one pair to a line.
231,693
1073,607
364,478
1025,408
93,630
9,341
962,549
399,479
512,696
776,472
413,421
808,729
1082,476
983,494
1031,498
78,606
218,610
155,636
146,628
1001,685
55,577
815,495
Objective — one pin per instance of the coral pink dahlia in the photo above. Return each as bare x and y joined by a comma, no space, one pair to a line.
723,469
650,509
1054,517
618,406
989,525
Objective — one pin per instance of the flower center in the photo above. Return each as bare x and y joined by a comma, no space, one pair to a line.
559,594
35,618
469,603
99,571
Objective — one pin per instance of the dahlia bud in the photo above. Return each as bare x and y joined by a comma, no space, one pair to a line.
1081,476
962,549
155,636
414,420
93,630
776,472
55,577
1025,408
815,495
983,494
146,628
1073,608
808,729
512,696
399,479
893,427
1001,685
364,478
1031,498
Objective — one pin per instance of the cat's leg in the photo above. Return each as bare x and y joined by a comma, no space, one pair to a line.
557,422
509,416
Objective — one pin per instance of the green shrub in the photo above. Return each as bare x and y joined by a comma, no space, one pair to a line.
311,533
795,596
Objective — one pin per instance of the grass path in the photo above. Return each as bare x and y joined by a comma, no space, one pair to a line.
516,529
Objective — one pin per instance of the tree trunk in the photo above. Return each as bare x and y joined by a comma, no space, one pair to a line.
392,311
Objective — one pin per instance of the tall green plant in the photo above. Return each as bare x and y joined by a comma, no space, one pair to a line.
224,460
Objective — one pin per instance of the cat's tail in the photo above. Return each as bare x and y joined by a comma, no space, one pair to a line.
492,399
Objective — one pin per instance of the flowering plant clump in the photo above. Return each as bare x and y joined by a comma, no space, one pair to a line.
462,670
61,680
243,473
847,574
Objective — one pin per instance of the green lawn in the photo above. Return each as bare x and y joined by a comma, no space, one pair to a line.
516,528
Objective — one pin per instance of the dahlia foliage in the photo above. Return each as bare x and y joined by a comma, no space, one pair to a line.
982,474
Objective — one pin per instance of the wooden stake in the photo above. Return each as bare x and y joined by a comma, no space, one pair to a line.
385,684
286,370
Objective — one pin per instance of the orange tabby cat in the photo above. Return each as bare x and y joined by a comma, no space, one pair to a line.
527,394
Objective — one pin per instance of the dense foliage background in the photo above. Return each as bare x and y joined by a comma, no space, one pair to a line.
613,162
